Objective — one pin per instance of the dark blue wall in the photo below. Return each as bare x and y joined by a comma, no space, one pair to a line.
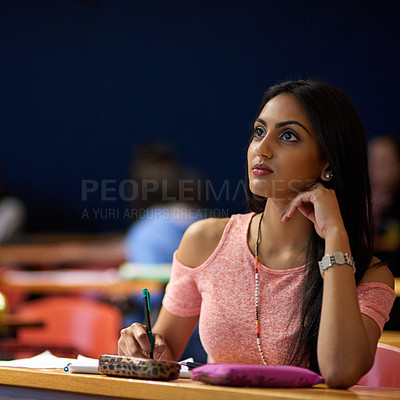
82,82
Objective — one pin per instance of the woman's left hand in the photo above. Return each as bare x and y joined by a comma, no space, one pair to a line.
320,206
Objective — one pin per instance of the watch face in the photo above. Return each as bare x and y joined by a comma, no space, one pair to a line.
339,257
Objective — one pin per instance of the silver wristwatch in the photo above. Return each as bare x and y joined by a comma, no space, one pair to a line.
336,258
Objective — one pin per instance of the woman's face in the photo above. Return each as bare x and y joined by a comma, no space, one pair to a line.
284,157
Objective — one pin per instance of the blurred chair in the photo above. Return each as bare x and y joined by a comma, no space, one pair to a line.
386,369
72,325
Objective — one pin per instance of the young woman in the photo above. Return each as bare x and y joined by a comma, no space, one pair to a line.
253,282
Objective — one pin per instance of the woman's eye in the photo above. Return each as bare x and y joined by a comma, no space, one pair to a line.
258,132
289,136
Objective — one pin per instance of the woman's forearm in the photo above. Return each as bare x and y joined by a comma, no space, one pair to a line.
344,353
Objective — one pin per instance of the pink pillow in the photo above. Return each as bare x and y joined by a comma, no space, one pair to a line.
256,375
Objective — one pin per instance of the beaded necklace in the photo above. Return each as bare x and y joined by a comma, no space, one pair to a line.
256,292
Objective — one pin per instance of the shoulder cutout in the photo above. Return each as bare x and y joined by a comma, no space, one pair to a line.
200,240
378,271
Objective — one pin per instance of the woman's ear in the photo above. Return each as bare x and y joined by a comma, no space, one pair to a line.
327,174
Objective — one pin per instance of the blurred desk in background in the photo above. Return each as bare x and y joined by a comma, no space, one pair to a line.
136,271
10,323
14,321
390,337
60,250
106,282
9,326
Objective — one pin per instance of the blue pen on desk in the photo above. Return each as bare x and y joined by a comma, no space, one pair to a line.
147,309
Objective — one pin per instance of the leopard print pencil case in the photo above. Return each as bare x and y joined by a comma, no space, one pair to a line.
138,368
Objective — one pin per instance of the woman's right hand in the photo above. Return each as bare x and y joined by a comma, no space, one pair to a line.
134,342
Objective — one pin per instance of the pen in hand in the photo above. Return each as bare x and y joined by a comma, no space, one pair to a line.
147,309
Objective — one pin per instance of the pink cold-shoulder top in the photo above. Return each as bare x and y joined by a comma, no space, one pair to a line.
222,289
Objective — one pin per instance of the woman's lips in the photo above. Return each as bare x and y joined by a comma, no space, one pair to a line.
261,169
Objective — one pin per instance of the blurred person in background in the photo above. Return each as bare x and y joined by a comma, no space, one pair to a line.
384,170
168,201
12,215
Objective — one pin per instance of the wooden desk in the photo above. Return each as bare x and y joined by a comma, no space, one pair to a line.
10,323
19,321
390,337
397,286
73,281
81,386
56,249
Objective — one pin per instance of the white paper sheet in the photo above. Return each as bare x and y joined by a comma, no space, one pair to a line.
45,360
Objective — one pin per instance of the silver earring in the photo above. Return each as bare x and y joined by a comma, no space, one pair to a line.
328,175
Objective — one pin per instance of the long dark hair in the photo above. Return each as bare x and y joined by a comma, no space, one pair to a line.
342,140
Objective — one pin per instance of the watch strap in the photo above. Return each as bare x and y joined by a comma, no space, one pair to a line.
338,258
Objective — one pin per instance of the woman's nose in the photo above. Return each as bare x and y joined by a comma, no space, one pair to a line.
265,148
